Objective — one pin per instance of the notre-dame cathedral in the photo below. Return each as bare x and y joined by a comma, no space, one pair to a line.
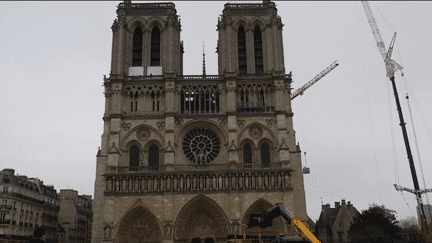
186,158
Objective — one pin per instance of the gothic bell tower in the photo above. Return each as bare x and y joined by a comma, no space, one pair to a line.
146,40
250,39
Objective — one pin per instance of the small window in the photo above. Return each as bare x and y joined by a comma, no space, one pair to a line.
247,155
265,155
153,162
134,158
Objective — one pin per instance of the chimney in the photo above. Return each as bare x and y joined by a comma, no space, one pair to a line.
327,206
9,171
337,205
343,202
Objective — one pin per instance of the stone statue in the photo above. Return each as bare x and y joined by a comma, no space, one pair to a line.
175,183
286,180
181,184
279,181
214,186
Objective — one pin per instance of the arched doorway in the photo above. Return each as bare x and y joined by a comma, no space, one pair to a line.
139,226
259,207
201,220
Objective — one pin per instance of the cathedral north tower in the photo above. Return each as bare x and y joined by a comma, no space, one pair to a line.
186,158
146,35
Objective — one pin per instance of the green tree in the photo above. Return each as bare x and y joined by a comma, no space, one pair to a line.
377,224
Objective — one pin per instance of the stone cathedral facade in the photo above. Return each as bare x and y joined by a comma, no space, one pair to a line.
185,158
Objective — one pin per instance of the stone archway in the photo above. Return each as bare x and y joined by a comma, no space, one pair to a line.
139,225
201,219
259,207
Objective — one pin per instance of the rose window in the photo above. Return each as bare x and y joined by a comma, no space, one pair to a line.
201,146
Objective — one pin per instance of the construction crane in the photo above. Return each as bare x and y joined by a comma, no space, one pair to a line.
391,68
314,80
391,65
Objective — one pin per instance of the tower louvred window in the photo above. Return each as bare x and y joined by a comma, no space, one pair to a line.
137,47
155,47
241,42
259,67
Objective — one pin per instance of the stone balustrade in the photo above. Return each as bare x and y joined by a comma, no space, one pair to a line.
190,181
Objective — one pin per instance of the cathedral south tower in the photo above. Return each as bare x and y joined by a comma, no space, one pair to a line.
186,158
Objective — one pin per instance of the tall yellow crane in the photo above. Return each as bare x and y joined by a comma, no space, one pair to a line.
391,68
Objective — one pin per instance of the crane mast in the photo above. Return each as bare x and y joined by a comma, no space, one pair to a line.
314,80
391,68
374,27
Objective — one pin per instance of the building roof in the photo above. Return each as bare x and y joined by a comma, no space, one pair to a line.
8,176
328,214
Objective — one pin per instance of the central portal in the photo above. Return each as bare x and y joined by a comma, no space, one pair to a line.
139,226
201,221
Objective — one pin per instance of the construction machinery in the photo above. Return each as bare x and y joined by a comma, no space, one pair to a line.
314,80
391,68
266,220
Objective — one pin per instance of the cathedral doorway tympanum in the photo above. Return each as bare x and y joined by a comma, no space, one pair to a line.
258,207
201,220
139,225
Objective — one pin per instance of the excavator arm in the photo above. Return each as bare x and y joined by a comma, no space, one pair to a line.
266,220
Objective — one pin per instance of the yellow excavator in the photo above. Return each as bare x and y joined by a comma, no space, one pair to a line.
265,220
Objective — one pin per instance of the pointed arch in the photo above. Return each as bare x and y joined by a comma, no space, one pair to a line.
201,218
268,134
155,135
242,21
139,225
258,207
258,21
202,122
136,21
155,21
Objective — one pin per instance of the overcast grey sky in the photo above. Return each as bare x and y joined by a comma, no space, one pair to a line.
54,55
